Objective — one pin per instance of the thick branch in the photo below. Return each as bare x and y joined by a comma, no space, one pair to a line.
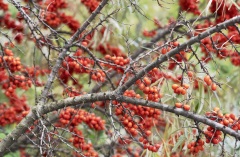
28,121
88,98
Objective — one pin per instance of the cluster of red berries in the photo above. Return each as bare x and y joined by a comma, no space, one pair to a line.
35,71
229,120
221,41
212,135
195,147
178,57
201,27
129,124
13,64
73,118
155,74
224,10
14,111
149,33
190,6
7,22
3,6
165,50
180,105
233,34
54,18
98,76
108,49
75,64
147,145
70,22
117,60
16,108
235,58
91,4
209,82
152,93
16,82
51,15
180,89
79,142
70,92
150,117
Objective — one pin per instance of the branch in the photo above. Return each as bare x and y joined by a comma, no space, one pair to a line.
28,121
66,47
175,51
89,98
163,32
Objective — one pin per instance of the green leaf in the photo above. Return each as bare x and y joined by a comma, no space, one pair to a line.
201,101
180,141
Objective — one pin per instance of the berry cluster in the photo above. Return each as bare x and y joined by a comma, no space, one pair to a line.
149,33
151,93
147,145
91,4
108,49
180,89
209,82
54,17
72,118
75,64
70,92
165,50
3,6
212,135
133,126
98,76
75,117
195,147
14,111
70,22
221,40
117,60
180,105
16,26
190,6
13,64
228,120
223,10
79,142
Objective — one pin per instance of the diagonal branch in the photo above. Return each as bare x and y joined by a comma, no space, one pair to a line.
175,51
63,54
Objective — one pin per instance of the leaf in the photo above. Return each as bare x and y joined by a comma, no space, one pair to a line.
202,94
180,141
